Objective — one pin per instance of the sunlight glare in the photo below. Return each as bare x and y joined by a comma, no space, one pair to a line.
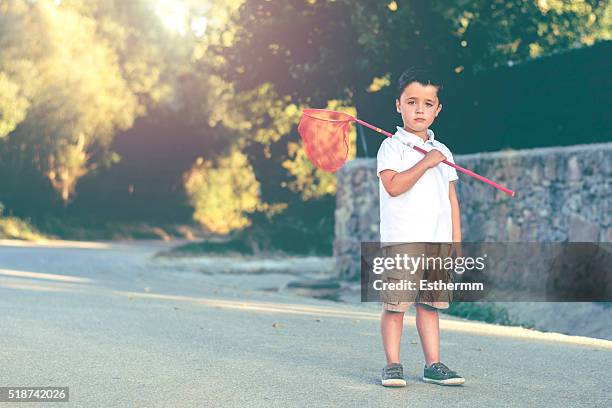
173,15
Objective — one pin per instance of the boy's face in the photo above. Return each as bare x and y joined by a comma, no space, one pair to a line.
419,106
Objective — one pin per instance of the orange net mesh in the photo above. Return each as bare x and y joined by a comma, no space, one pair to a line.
324,134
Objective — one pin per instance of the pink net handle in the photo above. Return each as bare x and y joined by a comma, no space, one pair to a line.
343,119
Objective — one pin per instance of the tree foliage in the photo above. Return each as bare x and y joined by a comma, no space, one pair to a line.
77,72
224,193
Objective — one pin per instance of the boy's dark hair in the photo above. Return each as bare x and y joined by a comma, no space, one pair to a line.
420,74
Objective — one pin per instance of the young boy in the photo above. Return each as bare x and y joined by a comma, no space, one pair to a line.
418,205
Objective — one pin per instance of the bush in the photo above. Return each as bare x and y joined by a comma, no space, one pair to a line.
484,312
15,228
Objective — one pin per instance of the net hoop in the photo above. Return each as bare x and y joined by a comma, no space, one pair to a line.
328,115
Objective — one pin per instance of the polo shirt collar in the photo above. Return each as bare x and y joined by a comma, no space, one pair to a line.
407,137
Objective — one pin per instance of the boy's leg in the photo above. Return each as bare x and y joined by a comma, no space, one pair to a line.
395,304
391,326
429,330
427,319
428,326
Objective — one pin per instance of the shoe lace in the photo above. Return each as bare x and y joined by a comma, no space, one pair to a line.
394,370
442,368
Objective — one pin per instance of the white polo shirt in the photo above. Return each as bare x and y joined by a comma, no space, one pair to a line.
423,213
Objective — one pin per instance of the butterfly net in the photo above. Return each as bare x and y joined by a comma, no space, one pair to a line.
325,136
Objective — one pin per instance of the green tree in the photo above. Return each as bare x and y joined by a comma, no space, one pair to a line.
223,194
75,72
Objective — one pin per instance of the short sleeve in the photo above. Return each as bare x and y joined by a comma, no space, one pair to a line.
451,171
388,157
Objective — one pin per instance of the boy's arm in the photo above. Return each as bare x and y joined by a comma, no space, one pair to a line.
455,214
398,183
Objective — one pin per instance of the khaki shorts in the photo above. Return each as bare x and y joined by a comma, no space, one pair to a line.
401,300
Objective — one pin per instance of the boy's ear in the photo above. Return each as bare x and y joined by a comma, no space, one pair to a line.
439,109
397,105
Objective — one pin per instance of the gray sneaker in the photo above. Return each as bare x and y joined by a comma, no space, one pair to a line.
393,375
440,374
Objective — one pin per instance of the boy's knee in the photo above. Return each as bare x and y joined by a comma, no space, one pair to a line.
400,307
428,308
393,312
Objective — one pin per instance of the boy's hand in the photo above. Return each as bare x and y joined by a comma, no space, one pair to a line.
433,158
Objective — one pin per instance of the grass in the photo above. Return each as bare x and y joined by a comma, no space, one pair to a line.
16,228
74,229
210,247
485,312
260,242
12,227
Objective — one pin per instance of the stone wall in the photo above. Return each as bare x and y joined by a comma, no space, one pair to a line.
563,194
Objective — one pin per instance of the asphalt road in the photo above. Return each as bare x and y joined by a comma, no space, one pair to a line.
123,329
